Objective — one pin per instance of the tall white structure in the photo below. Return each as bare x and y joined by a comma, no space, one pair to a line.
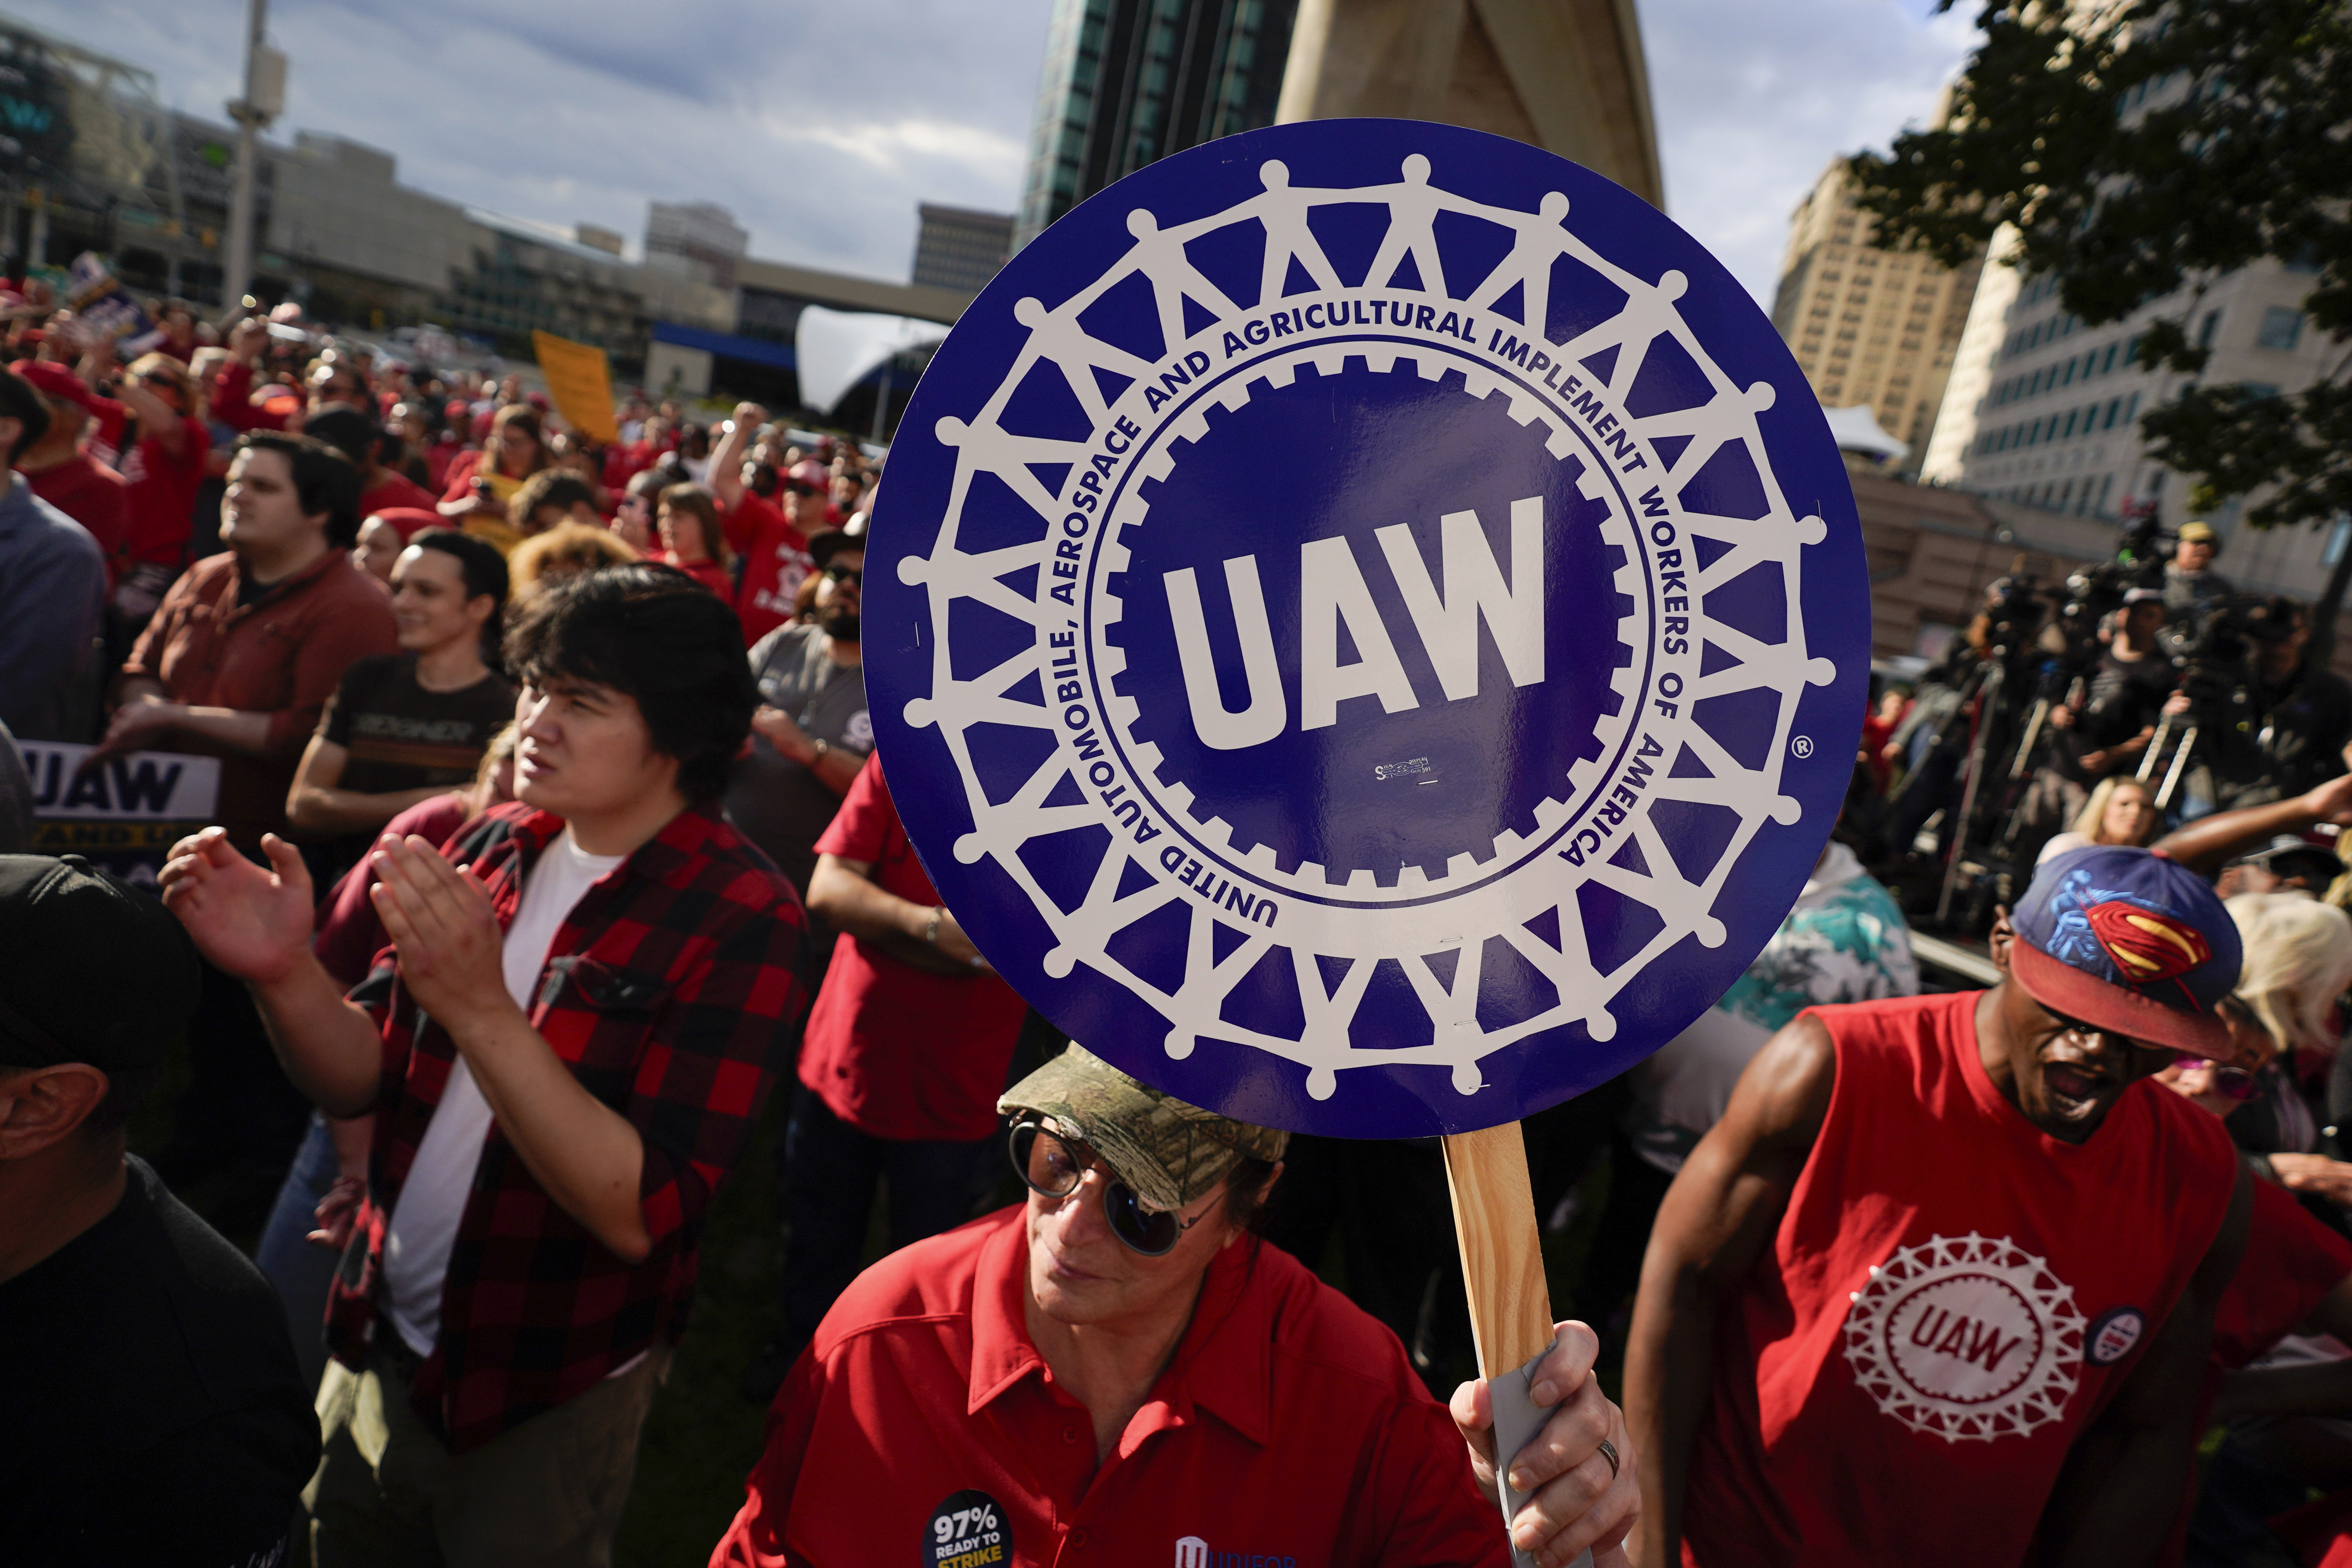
2043,411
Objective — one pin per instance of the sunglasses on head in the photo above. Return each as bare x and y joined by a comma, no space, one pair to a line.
846,574
1053,1167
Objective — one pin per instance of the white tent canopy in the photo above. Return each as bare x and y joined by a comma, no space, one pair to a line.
1857,431
839,348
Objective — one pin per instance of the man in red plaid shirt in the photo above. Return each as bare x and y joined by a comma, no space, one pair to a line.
565,1049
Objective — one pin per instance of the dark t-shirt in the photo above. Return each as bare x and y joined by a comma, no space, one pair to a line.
2120,698
778,804
401,737
152,1411
2280,740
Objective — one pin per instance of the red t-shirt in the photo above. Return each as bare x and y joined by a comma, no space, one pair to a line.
1288,1429
705,571
393,492
775,560
233,403
162,496
2291,1262
93,495
894,1051
438,457
1950,1298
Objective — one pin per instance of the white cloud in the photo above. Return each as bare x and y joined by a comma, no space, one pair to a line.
1753,100
822,129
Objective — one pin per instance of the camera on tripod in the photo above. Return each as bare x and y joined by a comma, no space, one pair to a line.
2218,649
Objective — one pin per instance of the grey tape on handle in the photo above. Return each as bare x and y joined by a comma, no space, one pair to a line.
1517,1419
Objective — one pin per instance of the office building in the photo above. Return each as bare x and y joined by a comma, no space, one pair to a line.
956,248
1129,81
2041,414
1870,328
699,239
2044,411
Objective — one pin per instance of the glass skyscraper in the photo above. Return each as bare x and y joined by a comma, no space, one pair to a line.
1127,81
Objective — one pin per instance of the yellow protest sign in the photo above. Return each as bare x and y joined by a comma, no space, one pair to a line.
580,384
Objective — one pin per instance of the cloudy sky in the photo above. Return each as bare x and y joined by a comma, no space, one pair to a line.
822,126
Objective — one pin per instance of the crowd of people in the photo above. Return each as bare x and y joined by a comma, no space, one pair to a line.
551,847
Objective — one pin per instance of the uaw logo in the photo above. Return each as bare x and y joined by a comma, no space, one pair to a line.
1361,625
1967,1337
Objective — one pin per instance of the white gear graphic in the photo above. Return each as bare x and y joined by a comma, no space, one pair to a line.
1470,866
1336,929
1966,1337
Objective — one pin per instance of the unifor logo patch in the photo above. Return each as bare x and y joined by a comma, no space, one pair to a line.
1365,626
1966,1337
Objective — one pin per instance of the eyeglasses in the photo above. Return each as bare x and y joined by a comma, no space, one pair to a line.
846,574
1053,1169
2233,1083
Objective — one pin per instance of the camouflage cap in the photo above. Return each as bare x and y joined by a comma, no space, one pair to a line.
1167,1150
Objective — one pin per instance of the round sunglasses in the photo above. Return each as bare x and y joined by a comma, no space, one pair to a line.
1053,1167
2231,1082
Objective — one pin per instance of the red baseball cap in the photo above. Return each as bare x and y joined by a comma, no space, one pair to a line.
55,381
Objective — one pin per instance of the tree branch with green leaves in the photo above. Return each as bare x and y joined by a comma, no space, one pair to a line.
2141,151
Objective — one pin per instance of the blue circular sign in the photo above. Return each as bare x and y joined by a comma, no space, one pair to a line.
1366,627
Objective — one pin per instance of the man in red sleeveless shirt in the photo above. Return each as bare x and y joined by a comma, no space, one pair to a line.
1939,1287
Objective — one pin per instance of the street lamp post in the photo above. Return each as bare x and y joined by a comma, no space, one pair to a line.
264,99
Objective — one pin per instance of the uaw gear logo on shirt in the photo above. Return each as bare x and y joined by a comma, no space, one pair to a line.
1350,604
1966,1337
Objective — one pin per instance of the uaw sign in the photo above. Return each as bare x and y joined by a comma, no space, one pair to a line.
1366,627
123,813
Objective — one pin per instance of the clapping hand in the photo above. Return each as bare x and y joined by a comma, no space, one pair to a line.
252,920
451,949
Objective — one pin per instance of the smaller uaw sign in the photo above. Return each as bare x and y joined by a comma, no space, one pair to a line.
1366,627
123,815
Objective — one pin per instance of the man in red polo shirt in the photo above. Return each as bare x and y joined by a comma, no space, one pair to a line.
1940,1286
1117,1372
905,1053
237,663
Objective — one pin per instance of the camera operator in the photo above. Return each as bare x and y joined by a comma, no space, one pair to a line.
2191,585
2107,721
2282,727
1934,736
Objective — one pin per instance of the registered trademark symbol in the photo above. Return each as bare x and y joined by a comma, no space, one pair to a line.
1803,746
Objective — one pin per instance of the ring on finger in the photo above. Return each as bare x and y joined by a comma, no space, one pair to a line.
1609,1452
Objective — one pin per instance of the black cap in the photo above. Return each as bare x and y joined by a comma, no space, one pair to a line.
830,542
2288,855
94,972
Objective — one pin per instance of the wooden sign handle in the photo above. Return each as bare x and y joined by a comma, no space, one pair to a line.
1502,1250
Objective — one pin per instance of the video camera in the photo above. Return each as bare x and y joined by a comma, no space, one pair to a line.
2096,591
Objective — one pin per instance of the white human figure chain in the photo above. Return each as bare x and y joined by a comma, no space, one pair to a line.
1009,814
